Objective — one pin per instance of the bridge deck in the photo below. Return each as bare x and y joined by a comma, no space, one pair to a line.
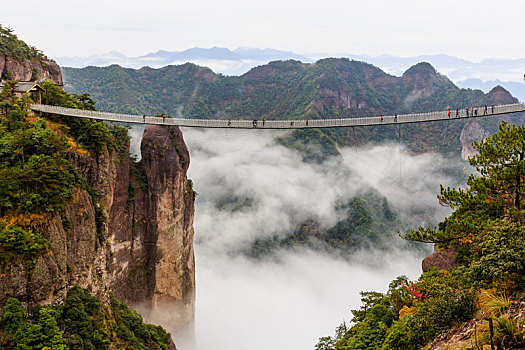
282,124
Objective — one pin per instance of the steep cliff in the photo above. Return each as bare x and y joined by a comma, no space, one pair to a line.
151,234
139,249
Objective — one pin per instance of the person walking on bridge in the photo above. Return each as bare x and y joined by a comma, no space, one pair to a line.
381,118
264,121
144,119
229,122
492,108
485,110
254,123
467,111
395,117
457,112
449,113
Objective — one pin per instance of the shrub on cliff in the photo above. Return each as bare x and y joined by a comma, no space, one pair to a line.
36,177
81,323
92,134
134,333
34,174
409,315
39,331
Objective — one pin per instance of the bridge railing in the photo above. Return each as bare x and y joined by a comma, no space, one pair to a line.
287,124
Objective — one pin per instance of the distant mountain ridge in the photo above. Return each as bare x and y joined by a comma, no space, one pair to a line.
483,75
220,59
515,88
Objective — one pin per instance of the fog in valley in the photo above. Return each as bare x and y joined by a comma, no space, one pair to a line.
250,187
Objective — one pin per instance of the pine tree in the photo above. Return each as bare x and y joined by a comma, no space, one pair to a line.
496,192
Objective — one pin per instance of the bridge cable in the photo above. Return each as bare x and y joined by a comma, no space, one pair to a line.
219,314
399,150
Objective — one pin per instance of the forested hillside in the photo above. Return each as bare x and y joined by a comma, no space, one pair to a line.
16,48
329,88
484,236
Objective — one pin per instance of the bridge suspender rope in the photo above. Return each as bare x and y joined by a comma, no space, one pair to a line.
286,124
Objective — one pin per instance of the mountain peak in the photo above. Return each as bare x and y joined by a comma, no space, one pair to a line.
421,69
499,95
273,67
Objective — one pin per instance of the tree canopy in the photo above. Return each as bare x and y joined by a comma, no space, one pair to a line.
12,46
495,192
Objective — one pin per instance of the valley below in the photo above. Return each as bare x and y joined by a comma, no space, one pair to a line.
251,188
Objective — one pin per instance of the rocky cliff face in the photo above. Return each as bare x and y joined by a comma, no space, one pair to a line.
439,259
473,131
470,133
140,249
29,70
152,235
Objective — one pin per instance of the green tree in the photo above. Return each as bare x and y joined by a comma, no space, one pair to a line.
52,334
496,192
13,316
500,254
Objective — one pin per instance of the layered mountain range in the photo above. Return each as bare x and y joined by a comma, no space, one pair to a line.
329,88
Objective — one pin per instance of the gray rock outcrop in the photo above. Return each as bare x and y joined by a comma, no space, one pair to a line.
470,133
29,70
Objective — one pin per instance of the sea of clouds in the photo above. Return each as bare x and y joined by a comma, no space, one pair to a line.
291,298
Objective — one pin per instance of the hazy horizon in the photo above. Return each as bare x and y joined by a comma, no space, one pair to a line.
312,55
405,28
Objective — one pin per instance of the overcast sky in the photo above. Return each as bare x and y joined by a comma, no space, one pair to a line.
470,29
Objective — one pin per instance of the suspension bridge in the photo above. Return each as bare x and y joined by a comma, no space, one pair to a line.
452,114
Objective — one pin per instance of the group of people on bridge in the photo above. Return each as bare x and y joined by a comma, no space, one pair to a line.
474,111
255,121
470,112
